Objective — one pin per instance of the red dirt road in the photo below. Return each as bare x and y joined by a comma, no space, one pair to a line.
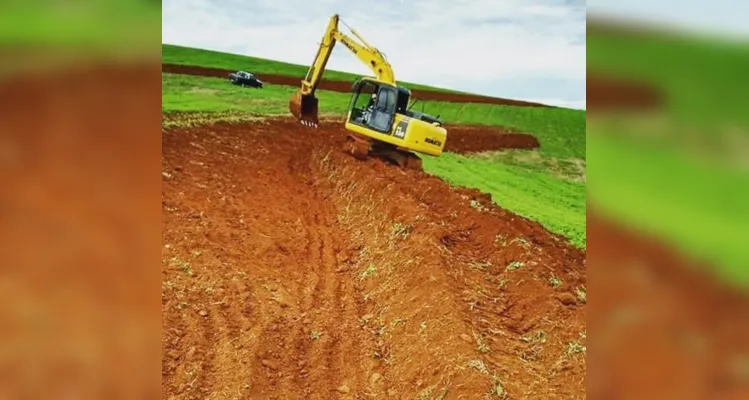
476,138
291,270
461,138
605,92
345,86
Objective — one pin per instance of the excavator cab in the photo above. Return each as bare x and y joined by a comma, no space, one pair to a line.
379,122
373,105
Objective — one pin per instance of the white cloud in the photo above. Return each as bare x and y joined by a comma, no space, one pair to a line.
722,17
463,43
575,104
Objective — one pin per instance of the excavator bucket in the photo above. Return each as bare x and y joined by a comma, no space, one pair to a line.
304,108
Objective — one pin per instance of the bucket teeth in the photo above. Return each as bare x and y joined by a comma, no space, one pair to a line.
304,108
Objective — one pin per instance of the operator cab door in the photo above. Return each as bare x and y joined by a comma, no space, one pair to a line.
373,106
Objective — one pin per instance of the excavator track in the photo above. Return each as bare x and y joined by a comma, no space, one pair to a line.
358,146
361,147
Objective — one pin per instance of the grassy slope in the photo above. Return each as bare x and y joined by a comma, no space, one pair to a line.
696,203
172,54
99,26
559,130
559,205
531,192
704,80
192,93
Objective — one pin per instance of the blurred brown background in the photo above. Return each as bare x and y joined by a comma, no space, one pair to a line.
79,162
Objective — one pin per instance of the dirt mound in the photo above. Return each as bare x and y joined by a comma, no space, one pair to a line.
292,270
661,326
345,86
605,92
463,138
475,138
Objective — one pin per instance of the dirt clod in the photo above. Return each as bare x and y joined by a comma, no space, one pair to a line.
270,364
568,299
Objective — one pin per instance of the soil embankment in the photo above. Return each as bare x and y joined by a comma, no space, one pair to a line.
292,270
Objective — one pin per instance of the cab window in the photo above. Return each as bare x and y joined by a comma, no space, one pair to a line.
386,99
364,96
362,100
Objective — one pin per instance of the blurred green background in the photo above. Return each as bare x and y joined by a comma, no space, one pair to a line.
47,34
679,171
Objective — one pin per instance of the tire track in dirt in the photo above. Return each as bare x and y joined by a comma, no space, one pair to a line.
295,298
230,334
332,350
327,314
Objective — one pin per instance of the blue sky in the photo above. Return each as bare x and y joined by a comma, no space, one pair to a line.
521,49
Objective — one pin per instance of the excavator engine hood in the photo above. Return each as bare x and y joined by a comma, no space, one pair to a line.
304,108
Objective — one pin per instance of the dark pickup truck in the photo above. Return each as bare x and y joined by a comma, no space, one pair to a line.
244,79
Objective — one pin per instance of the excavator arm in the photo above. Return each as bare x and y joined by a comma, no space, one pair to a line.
303,104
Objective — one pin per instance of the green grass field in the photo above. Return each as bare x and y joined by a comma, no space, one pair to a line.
557,204
560,130
524,185
100,26
173,54
702,79
675,173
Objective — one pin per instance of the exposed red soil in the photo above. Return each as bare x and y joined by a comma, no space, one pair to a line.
606,92
661,326
464,139
79,154
345,86
626,27
476,138
292,270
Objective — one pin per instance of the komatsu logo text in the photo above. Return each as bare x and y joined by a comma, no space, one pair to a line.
349,45
433,141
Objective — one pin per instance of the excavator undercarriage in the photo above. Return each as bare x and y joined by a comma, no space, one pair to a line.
362,147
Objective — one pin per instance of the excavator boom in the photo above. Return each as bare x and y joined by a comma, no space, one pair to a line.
303,104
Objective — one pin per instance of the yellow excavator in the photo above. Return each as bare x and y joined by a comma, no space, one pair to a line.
379,120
